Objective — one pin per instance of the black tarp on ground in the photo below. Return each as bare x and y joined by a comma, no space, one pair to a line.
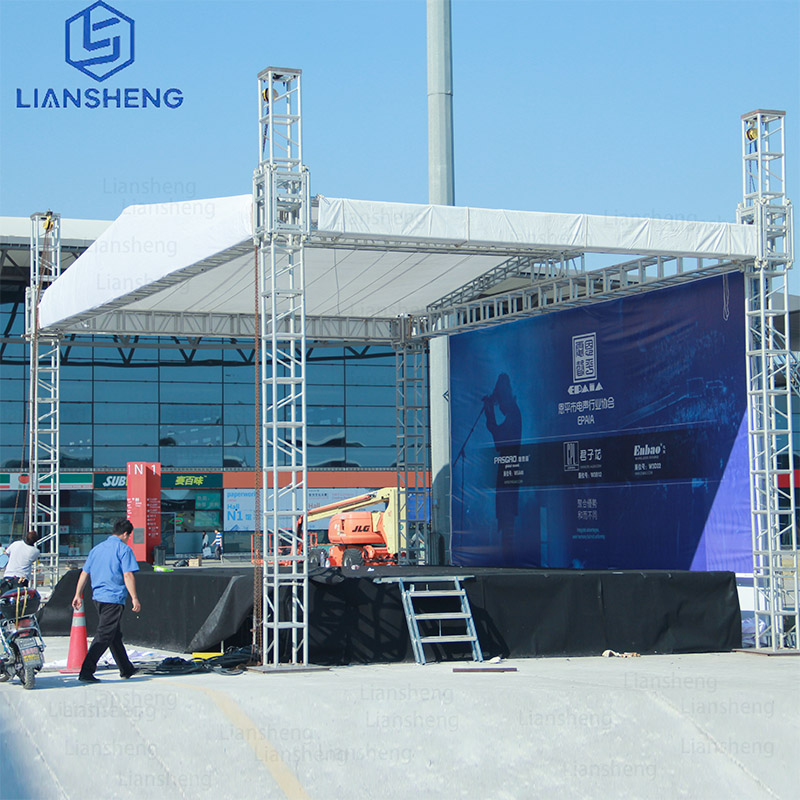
187,610
518,613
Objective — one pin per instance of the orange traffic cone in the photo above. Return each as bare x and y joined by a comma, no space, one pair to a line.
77,642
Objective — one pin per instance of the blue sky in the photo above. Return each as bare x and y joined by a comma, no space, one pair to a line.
628,108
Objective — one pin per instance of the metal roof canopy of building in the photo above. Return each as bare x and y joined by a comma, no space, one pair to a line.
363,260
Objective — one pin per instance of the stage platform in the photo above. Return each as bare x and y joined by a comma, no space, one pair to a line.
355,619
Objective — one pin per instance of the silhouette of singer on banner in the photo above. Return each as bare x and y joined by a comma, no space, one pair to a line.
506,435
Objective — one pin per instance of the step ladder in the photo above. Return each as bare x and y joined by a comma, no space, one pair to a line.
418,590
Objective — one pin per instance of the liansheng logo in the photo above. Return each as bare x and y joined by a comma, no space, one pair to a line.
99,43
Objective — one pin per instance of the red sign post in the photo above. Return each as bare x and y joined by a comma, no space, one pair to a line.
144,508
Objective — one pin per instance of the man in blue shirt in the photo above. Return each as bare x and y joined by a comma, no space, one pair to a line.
110,566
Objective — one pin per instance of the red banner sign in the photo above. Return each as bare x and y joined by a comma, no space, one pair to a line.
144,508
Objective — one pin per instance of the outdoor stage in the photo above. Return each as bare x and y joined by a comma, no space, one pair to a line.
354,619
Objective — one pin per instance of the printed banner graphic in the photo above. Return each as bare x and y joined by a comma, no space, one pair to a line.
240,506
606,437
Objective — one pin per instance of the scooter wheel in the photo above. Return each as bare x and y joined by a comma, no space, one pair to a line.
4,676
29,677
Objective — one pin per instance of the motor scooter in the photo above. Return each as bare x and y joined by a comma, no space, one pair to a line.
21,644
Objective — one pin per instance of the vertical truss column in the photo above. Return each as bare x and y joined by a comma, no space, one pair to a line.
281,221
412,447
43,394
770,377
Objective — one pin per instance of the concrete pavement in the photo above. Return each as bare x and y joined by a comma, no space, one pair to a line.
700,726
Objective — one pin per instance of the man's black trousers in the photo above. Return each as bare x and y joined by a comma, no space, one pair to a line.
107,636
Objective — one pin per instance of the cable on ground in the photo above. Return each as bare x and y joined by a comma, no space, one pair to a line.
231,662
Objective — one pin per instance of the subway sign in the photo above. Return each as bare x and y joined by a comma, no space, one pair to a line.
169,480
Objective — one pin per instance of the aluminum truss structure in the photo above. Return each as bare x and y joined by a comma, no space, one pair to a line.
412,414
523,270
770,375
559,289
281,208
359,330
43,394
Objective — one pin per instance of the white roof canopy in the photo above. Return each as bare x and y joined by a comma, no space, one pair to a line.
364,260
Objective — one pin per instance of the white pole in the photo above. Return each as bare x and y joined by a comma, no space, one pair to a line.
441,191
441,182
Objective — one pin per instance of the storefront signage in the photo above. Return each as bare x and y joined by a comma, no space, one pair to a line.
69,480
144,508
169,480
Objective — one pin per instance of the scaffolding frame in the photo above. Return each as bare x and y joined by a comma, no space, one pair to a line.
43,507
412,410
281,207
280,226
518,269
770,378
559,289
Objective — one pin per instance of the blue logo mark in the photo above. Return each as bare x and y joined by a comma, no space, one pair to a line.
99,41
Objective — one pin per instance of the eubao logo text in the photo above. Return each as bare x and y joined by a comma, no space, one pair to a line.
99,42
648,450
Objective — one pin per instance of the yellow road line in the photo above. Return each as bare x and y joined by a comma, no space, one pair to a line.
261,746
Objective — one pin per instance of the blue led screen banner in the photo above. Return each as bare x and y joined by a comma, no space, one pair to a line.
611,436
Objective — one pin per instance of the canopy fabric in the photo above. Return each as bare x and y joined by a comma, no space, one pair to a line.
558,232
144,246
365,259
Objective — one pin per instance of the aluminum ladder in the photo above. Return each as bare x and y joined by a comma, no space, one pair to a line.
428,587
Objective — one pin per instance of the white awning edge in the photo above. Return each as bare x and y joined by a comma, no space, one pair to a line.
144,245
366,259
568,232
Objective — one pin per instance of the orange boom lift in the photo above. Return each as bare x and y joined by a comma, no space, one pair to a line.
360,536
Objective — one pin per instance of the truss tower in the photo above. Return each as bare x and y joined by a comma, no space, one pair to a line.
43,395
413,463
770,374
281,208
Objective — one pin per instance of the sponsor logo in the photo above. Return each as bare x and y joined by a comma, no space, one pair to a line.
99,41
584,357
570,456
584,365
647,450
648,459
583,388
115,481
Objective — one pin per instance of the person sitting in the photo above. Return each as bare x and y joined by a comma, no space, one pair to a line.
21,556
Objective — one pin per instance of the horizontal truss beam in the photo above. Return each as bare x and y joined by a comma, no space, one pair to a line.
519,268
380,244
228,326
580,288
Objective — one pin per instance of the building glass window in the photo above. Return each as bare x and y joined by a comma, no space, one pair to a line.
191,392
188,406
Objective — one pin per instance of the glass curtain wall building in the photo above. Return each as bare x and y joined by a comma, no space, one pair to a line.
189,405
